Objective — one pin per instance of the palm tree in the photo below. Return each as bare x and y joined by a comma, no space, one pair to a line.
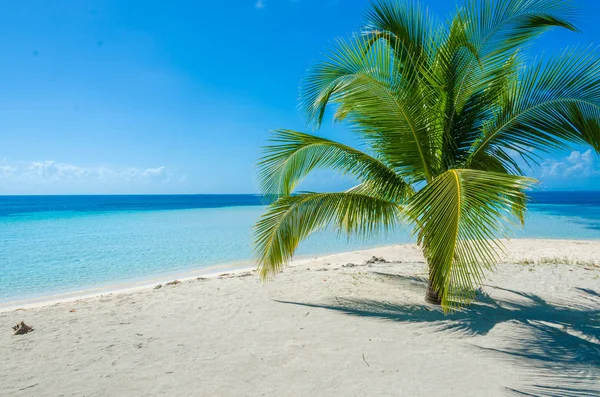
448,114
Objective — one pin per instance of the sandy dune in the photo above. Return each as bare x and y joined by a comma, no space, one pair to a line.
324,328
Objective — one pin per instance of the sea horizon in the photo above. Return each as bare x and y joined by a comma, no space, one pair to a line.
236,194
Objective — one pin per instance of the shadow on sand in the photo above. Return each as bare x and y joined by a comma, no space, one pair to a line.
556,344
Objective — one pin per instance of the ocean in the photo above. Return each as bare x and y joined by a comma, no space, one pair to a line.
57,244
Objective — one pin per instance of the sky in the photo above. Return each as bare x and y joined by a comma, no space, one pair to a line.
150,96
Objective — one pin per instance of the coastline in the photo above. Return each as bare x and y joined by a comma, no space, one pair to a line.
217,270
126,286
141,283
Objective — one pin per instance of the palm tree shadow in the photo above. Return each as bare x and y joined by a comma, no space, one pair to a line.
557,344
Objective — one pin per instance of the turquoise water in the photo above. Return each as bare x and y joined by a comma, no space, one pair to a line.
55,245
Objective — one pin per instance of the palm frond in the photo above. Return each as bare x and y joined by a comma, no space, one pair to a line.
406,26
292,219
497,29
380,103
461,214
467,122
550,105
397,194
454,47
292,155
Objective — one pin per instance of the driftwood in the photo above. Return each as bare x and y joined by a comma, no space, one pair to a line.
22,329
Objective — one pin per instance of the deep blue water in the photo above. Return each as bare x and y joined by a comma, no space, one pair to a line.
576,198
12,205
52,244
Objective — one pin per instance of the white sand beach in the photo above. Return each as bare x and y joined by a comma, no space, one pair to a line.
327,326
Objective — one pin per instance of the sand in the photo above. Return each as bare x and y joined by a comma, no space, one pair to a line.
324,328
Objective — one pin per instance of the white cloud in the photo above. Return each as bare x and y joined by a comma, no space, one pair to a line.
576,165
53,171
260,4
6,171
154,171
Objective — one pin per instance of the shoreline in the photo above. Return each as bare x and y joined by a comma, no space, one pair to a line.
213,271
143,282
125,287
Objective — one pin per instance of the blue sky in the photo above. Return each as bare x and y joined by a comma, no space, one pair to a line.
112,96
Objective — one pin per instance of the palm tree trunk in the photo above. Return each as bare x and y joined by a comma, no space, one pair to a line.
432,295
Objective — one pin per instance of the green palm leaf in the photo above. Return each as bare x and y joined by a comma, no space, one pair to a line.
292,219
293,155
366,82
461,214
550,105
499,28
408,28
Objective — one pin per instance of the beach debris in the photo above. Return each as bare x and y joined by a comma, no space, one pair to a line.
72,311
365,360
22,328
349,264
245,274
29,387
174,282
224,275
322,269
201,278
158,286
376,259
